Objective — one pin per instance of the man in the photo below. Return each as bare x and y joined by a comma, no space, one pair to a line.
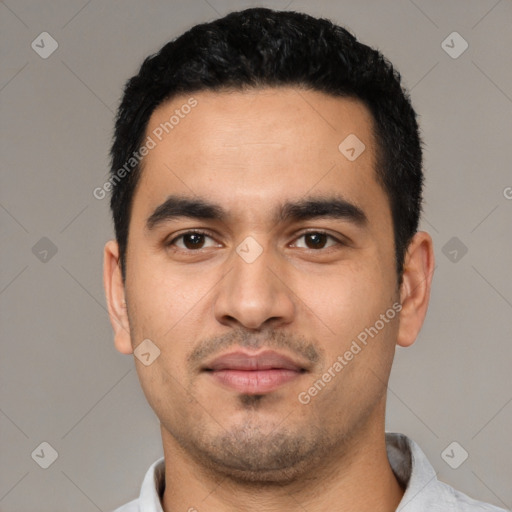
267,180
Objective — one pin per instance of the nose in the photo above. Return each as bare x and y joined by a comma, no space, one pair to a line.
254,293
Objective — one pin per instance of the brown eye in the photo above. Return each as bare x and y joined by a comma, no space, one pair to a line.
318,240
193,240
190,241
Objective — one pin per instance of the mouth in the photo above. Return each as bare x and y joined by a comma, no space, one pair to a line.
254,374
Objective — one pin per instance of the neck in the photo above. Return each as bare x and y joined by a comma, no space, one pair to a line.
356,478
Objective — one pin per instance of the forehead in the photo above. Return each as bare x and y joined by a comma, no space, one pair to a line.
253,148
285,116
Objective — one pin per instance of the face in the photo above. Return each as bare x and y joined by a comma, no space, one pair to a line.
261,263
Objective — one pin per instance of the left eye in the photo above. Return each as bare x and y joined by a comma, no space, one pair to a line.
191,240
317,239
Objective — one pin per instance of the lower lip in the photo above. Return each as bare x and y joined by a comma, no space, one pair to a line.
255,381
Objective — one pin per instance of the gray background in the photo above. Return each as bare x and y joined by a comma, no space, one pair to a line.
63,382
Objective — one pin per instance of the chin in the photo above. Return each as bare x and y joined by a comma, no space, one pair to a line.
254,453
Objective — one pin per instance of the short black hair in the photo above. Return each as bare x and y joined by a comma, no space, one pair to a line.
258,48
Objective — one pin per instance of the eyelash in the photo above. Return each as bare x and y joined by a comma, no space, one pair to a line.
205,233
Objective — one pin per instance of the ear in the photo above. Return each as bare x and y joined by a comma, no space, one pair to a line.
115,295
415,287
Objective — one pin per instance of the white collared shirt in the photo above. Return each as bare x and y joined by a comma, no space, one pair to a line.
423,493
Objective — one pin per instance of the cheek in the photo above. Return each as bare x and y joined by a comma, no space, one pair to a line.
347,298
165,391
347,310
158,298
157,314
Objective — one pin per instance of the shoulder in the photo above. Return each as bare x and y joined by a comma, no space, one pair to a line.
463,503
423,491
133,506
151,490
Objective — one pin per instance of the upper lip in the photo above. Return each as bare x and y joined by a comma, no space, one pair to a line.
266,360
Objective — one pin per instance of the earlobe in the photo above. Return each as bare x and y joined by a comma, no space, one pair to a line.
115,296
415,287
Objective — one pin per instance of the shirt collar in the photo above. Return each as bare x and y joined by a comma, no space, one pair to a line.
153,486
409,464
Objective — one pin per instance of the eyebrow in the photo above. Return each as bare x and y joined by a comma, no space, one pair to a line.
334,207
